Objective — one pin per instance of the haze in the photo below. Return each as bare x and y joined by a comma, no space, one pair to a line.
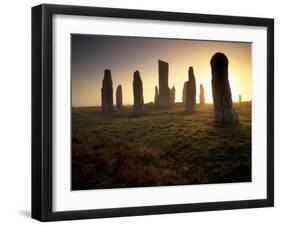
92,54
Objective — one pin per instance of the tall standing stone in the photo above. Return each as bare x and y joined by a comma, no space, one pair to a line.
107,92
173,95
202,95
190,92
184,92
164,90
224,111
156,97
240,99
119,98
138,93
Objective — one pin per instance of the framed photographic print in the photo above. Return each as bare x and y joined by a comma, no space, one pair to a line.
145,112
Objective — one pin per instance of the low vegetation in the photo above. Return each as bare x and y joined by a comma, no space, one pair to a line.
161,147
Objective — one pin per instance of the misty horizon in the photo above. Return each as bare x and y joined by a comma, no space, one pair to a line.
92,54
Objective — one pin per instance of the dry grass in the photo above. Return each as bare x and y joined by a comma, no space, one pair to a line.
162,147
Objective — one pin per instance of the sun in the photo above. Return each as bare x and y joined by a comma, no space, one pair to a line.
234,88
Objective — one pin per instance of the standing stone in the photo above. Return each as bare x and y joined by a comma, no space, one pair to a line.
190,92
202,95
224,111
173,95
119,98
164,90
184,92
107,92
240,99
156,97
138,93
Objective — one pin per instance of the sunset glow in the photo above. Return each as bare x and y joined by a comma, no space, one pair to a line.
92,54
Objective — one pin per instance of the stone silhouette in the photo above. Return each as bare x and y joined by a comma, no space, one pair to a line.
202,95
240,99
119,98
164,90
224,111
138,93
184,92
173,95
107,92
190,91
156,97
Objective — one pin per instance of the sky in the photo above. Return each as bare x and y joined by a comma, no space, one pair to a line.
92,54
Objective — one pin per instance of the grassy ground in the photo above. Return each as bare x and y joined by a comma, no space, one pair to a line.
161,147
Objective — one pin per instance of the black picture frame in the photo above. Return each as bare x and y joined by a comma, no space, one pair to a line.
42,111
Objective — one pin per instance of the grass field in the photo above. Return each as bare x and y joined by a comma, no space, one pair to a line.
161,147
